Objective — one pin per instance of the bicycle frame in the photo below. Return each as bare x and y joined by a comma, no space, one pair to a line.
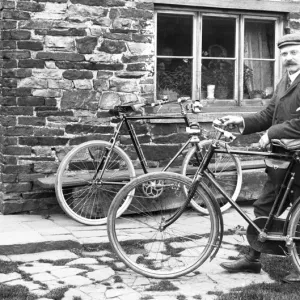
194,139
281,197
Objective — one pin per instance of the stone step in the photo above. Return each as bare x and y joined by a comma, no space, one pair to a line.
78,180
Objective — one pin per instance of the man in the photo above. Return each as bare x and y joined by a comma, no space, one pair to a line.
280,119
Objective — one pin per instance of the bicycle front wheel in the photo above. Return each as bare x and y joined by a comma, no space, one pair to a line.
224,167
80,191
141,239
294,231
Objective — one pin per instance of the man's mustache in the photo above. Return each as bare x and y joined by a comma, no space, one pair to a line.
290,64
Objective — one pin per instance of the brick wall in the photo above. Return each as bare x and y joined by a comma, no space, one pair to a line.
65,62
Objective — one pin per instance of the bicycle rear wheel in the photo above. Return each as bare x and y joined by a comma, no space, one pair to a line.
80,192
294,231
225,168
138,236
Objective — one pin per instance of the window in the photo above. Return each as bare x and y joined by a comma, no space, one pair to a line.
226,58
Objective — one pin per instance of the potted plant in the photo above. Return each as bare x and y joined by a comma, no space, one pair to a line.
177,81
257,94
248,80
220,74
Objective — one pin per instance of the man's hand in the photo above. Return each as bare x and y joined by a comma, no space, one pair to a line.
264,141
232,120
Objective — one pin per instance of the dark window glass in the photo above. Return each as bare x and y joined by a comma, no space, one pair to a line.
218,42
174,38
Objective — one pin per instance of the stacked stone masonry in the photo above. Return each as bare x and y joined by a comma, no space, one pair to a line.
65,63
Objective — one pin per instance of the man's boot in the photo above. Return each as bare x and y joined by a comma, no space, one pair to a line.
292,278
249,263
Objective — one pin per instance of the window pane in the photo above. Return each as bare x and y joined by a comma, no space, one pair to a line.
174,38
258,79
259,39
220,73
218,40
174,34
174,78
218,37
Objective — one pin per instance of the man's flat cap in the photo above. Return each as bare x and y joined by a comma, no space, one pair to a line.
289,39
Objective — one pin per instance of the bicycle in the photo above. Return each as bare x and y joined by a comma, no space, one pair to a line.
92,173
172,241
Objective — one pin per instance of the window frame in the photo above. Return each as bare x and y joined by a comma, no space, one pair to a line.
240,17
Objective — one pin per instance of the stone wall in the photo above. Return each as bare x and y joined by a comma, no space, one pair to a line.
65,63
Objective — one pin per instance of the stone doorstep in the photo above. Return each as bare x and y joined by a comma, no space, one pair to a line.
49,182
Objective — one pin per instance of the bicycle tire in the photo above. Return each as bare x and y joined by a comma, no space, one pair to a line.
137,236
226,167
87,199
294,231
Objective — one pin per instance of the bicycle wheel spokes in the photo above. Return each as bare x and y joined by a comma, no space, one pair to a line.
140,239
82,192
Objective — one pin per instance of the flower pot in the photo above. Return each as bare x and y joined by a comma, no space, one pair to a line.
256,96
211,92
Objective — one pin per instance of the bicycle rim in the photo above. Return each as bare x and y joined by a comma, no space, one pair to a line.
140,241
294,231
224,167
82,194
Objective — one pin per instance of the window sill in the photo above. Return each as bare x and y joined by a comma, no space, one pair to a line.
209,112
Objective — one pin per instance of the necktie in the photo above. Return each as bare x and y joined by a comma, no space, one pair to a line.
289,82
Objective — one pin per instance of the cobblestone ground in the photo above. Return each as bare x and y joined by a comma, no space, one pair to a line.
96,275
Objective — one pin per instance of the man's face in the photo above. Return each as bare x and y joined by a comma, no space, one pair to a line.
291,58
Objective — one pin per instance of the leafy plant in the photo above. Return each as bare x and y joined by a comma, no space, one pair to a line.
257,94
178,80
219,73
248,73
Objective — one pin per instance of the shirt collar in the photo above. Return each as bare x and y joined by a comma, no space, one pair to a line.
294,76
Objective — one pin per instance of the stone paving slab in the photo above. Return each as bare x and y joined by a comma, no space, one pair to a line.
101,284
27,233
47,255
50,241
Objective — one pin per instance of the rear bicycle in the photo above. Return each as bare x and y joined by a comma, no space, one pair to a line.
145,239
91,174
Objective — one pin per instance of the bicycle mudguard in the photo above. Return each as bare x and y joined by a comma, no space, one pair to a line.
220,216
293,208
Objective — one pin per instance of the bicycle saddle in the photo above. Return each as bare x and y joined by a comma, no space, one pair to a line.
120,109
288,144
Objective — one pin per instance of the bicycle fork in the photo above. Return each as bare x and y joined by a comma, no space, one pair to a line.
106,156
192,191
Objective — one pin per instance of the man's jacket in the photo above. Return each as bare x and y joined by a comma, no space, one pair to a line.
280,117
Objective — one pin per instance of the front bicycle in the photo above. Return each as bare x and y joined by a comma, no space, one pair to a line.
160,235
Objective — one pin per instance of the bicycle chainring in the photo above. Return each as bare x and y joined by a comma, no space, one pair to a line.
153,189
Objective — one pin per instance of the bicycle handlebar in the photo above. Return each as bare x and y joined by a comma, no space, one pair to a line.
218,125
